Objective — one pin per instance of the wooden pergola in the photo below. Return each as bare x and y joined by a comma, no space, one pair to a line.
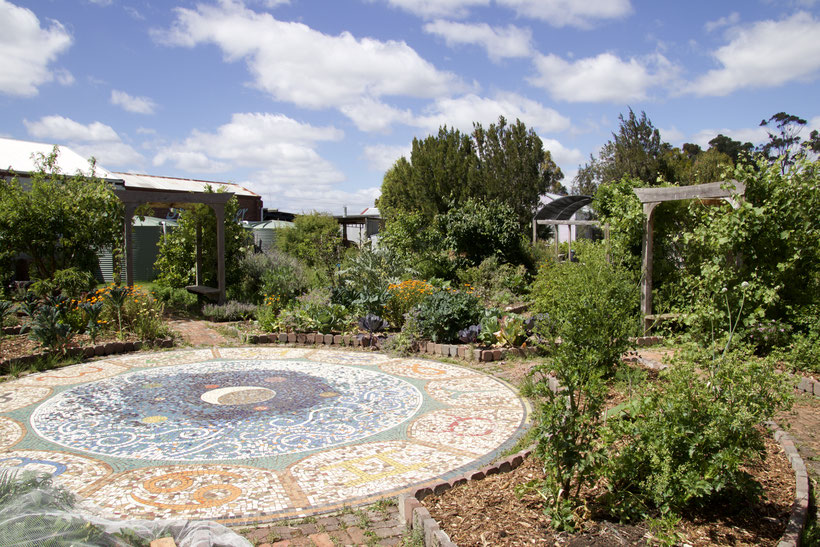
651,198
215,200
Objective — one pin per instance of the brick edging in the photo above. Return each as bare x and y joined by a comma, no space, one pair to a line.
416,517
108,348
800,508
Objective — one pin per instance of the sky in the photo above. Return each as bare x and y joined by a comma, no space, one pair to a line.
309,102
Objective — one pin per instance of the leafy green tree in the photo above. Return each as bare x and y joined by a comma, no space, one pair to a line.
505,163
635,151
784,141
477,230
441,169
176,260
736,150
60,221
513,168
317,240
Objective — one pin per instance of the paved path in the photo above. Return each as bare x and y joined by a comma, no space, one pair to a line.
197,333
249,435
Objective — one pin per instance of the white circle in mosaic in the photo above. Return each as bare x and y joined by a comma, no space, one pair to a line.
11,432
478,391
192,492
76,473
226,410
75,374
426,370
14,396
474,430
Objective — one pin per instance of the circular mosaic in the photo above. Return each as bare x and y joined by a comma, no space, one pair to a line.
226,410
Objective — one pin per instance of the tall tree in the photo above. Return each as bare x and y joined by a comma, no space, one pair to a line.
441,170
505,163
784,138
736,150
513,167
635,151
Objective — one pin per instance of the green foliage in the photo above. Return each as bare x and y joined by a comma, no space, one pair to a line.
685,439
315,239
511,331
176,260
443,313
73,282
591,308
50,331
6,310
771,242
83,210
495,283
365,278
415,246
311,316
617,205
476,230
804,353
176,299
271,272
505,163
229,311
92,311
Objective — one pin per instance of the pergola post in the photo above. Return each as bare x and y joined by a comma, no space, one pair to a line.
219,210
198,271
648,257
128,218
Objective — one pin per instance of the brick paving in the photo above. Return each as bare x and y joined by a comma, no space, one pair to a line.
197,333
367,526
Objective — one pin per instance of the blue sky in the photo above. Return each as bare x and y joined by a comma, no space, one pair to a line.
308,102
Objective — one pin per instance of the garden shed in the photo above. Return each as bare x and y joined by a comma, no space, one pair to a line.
145,237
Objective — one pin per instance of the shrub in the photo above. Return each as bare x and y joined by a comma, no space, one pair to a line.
73,281
496,284
230,311
684,440
316,239
365,278
176,299
271,272
403,297
442,314
48,330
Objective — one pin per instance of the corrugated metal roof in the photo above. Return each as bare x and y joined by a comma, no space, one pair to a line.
270,224
153,182
19,156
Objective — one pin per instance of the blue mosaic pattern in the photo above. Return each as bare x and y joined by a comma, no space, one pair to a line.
226,410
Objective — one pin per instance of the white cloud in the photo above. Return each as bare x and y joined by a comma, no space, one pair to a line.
430,9
672,135
64,77
567,158
731,19
603,78
294,63
575,13
27,50
101,2
302,196
139,105
282,148
373,115
754,135
461,112
380,157
62,129
500,42
95,139
765,54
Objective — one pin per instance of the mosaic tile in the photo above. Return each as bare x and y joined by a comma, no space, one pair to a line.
427,370
74,374
474,430
11,432
226,410
163,358
251,433
265,353
352,472
76,473
478,391
13,395
192,492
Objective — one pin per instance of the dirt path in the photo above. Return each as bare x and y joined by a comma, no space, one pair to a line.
198,333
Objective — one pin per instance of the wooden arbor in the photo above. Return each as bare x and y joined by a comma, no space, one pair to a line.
215,200
650,198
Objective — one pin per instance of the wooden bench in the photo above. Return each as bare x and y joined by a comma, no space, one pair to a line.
203,291
653,320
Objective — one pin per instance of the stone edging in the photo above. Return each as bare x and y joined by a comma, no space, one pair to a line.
108,348
455,351
809,385
800,508
416,517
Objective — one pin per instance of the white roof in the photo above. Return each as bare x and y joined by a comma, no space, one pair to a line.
153,182
19,156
